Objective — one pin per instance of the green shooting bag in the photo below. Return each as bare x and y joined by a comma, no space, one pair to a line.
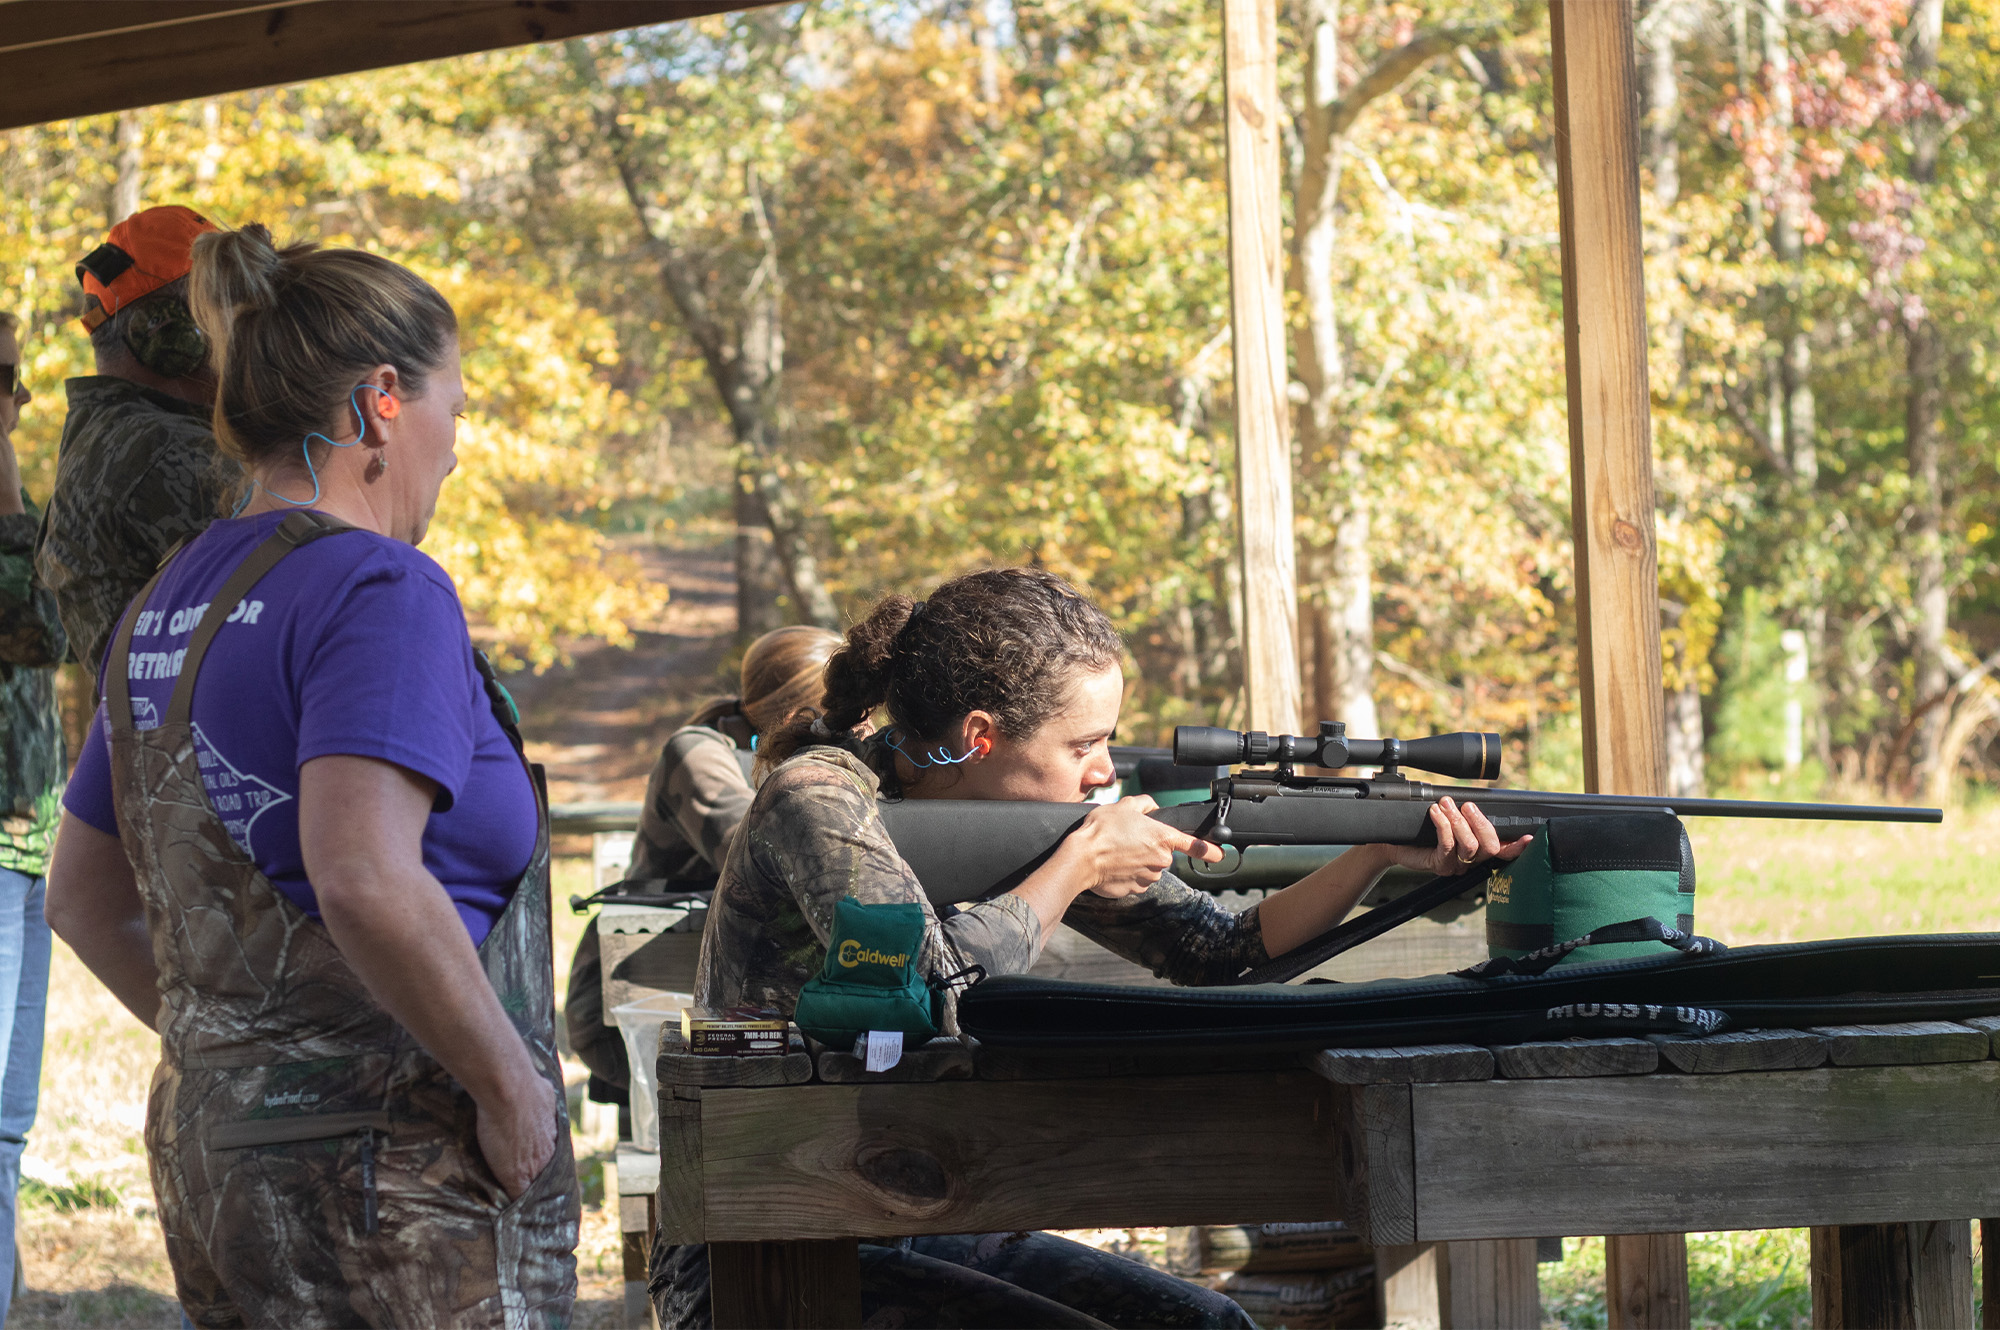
1584,873
870,980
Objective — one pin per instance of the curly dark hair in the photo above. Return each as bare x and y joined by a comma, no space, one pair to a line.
1005,640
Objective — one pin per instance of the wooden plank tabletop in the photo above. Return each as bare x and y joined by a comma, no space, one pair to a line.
1903,1044
820,1161
1576,1057
1414,1144
1400,1066
1660,1153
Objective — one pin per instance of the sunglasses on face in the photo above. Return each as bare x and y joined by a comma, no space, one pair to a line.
10,380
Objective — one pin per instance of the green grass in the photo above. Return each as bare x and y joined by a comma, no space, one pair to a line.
80,1195
1795,881
1737,1281
1758,1280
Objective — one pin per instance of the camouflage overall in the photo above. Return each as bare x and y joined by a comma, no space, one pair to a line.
314,1166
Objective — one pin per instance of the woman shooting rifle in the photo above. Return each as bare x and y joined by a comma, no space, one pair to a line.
1005,684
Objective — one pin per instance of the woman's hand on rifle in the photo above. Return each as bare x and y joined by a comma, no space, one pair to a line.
1464,838
1117,851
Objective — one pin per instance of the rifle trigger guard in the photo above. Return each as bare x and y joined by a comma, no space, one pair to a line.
1198,869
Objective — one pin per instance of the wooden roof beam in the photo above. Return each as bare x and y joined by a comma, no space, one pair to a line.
60,60
30,23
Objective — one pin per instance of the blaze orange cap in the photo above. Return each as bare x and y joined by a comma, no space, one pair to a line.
145,252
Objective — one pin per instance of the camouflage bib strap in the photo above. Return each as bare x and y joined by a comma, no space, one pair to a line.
117,691
297,529
300,528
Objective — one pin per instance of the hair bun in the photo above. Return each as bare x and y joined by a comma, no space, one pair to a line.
234,271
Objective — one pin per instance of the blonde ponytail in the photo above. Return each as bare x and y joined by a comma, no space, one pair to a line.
292,330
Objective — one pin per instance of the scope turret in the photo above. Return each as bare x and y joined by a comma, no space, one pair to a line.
1462,756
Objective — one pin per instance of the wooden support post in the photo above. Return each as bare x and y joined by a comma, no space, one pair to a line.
1481,1285
1408,1281
810,1285
1610,431
1989,1275
1490,1285
1646,1280
1876,1276
1611,486
1263,411
637,1223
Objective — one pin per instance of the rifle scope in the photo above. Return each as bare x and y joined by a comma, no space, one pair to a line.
1462,756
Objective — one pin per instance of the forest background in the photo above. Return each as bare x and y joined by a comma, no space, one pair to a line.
895,289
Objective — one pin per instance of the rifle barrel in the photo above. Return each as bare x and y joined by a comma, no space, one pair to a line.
1694,807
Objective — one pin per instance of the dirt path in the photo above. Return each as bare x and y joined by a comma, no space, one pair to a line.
597,723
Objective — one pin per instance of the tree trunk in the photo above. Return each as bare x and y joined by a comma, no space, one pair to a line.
1686,759
745,363
1794,352
1793,408
1353,620
1922,445
759,578
1342,600
127,188
1322,702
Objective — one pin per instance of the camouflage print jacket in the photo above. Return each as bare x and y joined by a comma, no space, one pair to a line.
138,473
31,743
695,799
813,836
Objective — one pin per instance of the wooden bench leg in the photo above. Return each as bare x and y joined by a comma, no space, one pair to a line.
1646,1281
1989,1272
636,1222
785,1285
1487,1285
1490,1284
1878,1276
1407,1279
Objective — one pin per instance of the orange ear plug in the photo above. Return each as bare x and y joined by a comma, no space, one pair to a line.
982,746
388,407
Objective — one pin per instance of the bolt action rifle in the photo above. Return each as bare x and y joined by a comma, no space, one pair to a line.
968,849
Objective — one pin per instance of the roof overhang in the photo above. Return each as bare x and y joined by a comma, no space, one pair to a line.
65,58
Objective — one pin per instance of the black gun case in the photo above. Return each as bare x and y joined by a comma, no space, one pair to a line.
1855,981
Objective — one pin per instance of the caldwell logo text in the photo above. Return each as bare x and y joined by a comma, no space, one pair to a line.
852,953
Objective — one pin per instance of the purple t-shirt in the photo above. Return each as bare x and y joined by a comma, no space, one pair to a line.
355,644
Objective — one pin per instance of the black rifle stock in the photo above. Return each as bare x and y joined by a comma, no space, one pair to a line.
967,849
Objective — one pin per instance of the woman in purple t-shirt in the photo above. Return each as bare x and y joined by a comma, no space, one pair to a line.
303,845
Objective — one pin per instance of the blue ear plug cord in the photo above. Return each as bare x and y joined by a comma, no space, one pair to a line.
936,757
305,450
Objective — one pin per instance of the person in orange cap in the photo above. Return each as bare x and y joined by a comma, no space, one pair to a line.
139,471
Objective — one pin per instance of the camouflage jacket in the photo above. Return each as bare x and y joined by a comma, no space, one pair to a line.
31,743
138,473
813,836
695,799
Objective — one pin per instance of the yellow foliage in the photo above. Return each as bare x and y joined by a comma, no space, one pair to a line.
385,161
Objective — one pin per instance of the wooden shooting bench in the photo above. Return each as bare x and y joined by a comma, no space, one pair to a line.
1450,1159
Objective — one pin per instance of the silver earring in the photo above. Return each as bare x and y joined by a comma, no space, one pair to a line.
379,467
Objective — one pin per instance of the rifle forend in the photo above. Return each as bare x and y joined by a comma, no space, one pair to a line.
1462,756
